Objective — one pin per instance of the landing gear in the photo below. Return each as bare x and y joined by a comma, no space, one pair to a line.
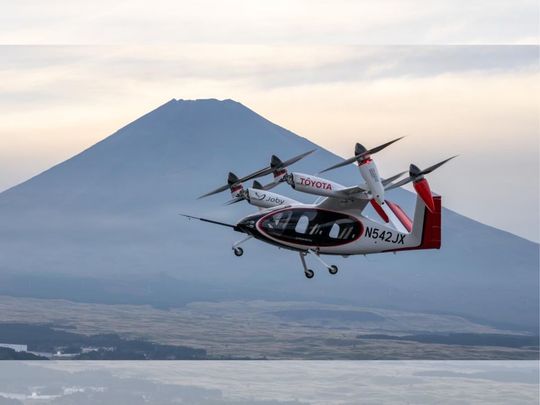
238,251
307,272
333,269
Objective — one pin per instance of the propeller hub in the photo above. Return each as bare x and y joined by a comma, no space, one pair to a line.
359,149
232,178
275,162
414,171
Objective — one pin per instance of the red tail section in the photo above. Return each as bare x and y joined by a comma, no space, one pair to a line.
431,232
423,190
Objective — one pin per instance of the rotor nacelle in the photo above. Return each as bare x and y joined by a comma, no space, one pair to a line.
314,185
368,169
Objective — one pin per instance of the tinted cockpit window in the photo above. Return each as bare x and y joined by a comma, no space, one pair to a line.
334,231
302,224
312,227
277,223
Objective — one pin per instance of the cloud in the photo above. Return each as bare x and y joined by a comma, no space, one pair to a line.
276,22
38,69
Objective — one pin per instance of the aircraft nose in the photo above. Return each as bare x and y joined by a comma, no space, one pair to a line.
247,224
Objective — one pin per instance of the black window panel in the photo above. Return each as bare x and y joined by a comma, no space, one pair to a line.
312,227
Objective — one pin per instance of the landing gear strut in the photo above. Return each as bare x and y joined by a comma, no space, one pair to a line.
238,251
307,272
332,269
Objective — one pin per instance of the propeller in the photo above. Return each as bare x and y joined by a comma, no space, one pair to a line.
275,164
244,193
415,173
232,180
360,153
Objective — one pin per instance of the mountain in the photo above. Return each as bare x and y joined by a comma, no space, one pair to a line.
104,226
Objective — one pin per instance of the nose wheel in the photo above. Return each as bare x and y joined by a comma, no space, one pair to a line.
309,273
238,251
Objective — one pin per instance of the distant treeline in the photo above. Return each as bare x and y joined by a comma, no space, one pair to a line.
465,339
10,354
47,339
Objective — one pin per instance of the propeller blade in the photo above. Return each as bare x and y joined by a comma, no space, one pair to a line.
217,190
296,158
415,173
341,164
258,173
259,186
277,164
361,153
436,166
270,186
391,179
235,200
399,183
232,179
381,147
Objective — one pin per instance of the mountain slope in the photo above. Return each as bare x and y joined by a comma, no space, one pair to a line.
110,213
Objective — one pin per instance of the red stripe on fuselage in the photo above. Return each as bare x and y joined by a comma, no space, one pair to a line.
400,214
379,210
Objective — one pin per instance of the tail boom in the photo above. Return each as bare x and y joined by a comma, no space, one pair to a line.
426,228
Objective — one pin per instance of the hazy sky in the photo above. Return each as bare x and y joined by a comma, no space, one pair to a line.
455,77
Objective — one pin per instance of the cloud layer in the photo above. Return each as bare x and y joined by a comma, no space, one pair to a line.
260,22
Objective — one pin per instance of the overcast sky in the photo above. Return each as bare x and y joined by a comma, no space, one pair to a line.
455,77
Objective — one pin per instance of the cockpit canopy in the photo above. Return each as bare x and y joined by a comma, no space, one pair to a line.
311,226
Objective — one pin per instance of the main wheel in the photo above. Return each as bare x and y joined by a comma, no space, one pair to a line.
333,269
309,273
238,251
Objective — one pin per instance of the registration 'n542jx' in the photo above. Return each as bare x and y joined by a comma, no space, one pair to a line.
386,236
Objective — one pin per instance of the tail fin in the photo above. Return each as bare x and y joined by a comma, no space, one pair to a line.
426,227
427,224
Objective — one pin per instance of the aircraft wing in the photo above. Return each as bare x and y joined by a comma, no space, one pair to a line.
333,203
363,188
350,191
